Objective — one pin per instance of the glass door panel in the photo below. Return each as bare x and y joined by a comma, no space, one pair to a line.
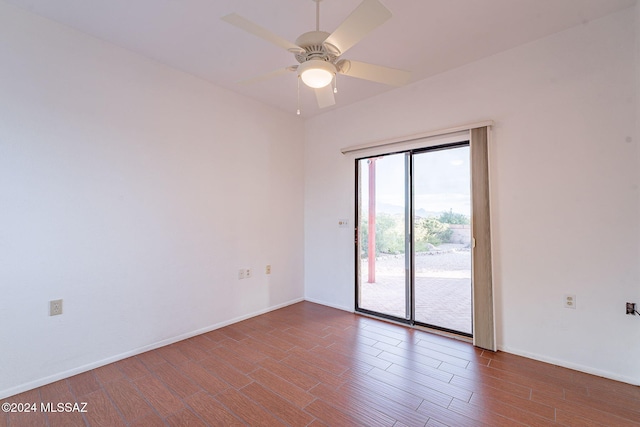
442,240
382,217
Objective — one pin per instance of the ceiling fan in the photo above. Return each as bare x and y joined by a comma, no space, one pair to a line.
319,53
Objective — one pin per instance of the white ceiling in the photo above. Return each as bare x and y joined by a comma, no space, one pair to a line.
425,37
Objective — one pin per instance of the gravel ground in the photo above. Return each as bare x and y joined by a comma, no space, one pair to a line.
446,258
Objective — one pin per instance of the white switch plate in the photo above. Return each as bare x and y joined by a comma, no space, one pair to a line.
569,301
248,274
267,270
241,274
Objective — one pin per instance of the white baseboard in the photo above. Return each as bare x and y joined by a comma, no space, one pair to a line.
339,307
570,365
75,371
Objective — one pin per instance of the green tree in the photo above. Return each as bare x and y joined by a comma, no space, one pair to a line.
389,235
452,217
431,231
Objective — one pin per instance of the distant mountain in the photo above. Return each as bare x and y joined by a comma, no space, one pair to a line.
390,209
422,213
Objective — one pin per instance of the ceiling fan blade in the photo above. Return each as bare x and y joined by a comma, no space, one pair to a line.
375,73
263,33
272,74
365,18
324,96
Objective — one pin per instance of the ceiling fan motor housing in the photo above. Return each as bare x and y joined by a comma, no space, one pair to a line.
314,47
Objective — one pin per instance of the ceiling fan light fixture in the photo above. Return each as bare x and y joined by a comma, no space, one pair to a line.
316,73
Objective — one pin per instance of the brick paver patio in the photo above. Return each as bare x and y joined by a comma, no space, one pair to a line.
442,289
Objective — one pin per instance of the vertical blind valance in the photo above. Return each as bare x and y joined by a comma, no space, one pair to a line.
408,141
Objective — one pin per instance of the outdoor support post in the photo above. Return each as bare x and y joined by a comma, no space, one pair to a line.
372,221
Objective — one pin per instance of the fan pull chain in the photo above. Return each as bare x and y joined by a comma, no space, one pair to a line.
335,83
298,102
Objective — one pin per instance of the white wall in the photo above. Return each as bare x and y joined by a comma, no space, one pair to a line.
134,192
564,182
637,29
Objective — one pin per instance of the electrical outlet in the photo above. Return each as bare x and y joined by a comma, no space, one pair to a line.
55,307
267,269
631,308
241,274
248,274
569,301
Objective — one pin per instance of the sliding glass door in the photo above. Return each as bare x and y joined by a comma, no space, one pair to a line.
413,245
442,212
382,249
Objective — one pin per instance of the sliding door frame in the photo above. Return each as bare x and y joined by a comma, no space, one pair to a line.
409,238
409,285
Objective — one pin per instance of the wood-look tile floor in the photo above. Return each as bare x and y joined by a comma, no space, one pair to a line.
310,365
